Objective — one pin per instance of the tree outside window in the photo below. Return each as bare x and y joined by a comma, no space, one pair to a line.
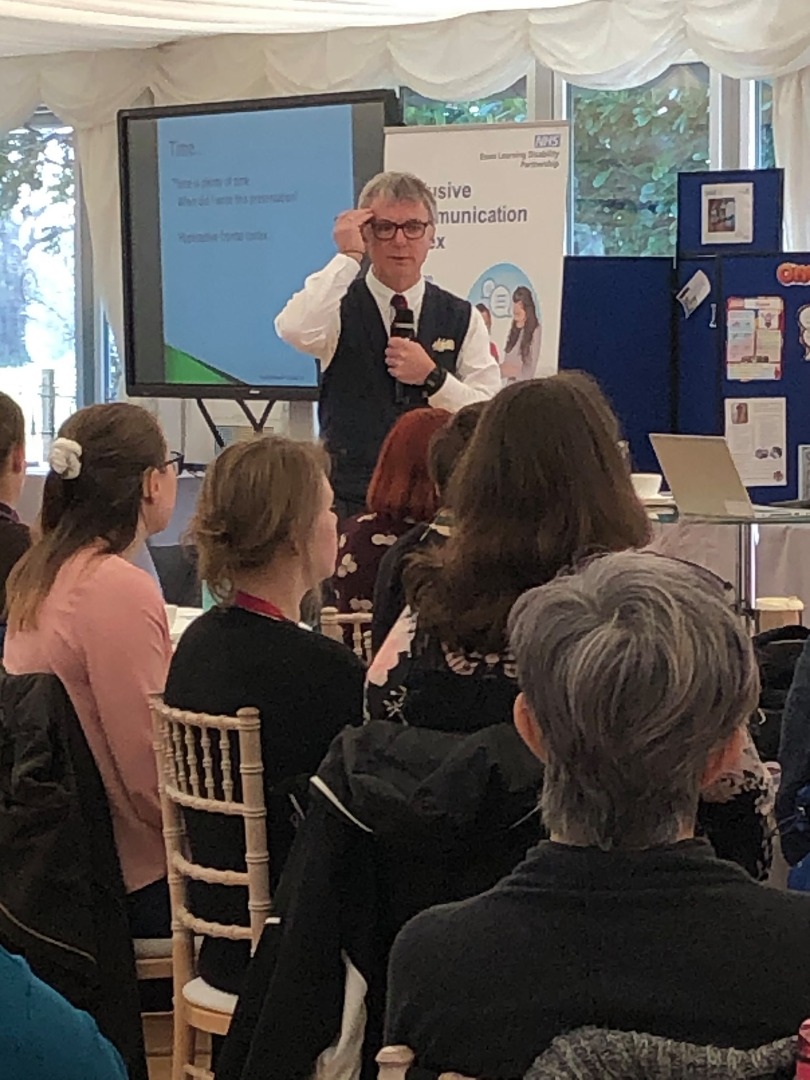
508,106
766,155
628,148
37,277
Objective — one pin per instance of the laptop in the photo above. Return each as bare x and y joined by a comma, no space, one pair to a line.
705,482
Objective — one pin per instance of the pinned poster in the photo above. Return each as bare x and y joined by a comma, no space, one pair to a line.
756,433
697,289
727,214
755,335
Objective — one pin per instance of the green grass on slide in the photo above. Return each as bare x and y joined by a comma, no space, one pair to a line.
182,368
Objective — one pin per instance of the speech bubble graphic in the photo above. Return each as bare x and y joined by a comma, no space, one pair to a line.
500,302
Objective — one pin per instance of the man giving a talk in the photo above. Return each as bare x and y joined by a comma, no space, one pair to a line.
370,377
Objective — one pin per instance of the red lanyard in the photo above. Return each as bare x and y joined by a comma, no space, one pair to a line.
261,607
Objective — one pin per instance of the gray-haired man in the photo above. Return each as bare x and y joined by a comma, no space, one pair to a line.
637,683
370,378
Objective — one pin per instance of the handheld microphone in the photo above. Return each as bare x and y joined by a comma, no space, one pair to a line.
403,326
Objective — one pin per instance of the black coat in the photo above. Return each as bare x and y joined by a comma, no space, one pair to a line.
62,899
400,818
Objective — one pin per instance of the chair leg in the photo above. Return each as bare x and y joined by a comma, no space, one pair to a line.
184,1043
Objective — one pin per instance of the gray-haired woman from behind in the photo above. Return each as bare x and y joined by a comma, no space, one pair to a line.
637,683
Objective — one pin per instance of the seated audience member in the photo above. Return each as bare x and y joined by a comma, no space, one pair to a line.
43,1036
78,609
15,538
444,452
265,534
542,483
637,682
793,796
400,495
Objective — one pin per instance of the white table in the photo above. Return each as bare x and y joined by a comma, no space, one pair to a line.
179,619
782,554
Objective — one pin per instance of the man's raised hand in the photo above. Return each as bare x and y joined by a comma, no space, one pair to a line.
348,232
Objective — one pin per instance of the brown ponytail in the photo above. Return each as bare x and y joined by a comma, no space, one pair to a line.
102,505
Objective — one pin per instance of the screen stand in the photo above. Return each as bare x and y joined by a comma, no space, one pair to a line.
256,422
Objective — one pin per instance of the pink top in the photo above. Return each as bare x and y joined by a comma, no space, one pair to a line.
102,630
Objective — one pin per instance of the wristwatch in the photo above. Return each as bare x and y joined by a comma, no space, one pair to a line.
434,380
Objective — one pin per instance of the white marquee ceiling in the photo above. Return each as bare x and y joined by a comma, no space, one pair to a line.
46,26
751,37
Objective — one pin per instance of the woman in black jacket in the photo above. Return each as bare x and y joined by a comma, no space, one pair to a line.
265,534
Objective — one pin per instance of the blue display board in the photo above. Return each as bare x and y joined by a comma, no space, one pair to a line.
699,395
617,324
703,382
665,377
768,187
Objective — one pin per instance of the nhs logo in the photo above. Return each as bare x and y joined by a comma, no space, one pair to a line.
546,142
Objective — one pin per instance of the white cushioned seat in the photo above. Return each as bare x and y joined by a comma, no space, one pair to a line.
200,993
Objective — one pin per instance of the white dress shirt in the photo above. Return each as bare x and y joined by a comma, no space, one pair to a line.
310,322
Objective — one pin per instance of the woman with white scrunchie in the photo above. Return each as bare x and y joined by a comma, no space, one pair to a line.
80,610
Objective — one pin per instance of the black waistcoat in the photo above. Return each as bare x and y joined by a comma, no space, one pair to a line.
357,405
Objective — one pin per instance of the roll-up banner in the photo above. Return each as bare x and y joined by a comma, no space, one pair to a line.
501,194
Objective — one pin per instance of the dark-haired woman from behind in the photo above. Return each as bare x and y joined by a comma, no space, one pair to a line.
542,485
400,495
78,608
265,534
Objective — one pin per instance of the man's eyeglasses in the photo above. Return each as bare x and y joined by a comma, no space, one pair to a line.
387,230
176,460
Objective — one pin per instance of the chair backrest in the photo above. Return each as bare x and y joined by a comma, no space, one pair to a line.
394,1062
195,763
334,622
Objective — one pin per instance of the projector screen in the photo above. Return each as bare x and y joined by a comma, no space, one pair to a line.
226,209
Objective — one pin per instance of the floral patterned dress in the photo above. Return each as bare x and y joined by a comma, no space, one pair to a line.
363,542
415,679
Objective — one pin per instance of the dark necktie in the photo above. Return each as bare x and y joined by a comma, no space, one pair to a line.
400,304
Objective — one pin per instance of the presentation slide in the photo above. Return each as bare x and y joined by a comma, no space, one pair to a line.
247,202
